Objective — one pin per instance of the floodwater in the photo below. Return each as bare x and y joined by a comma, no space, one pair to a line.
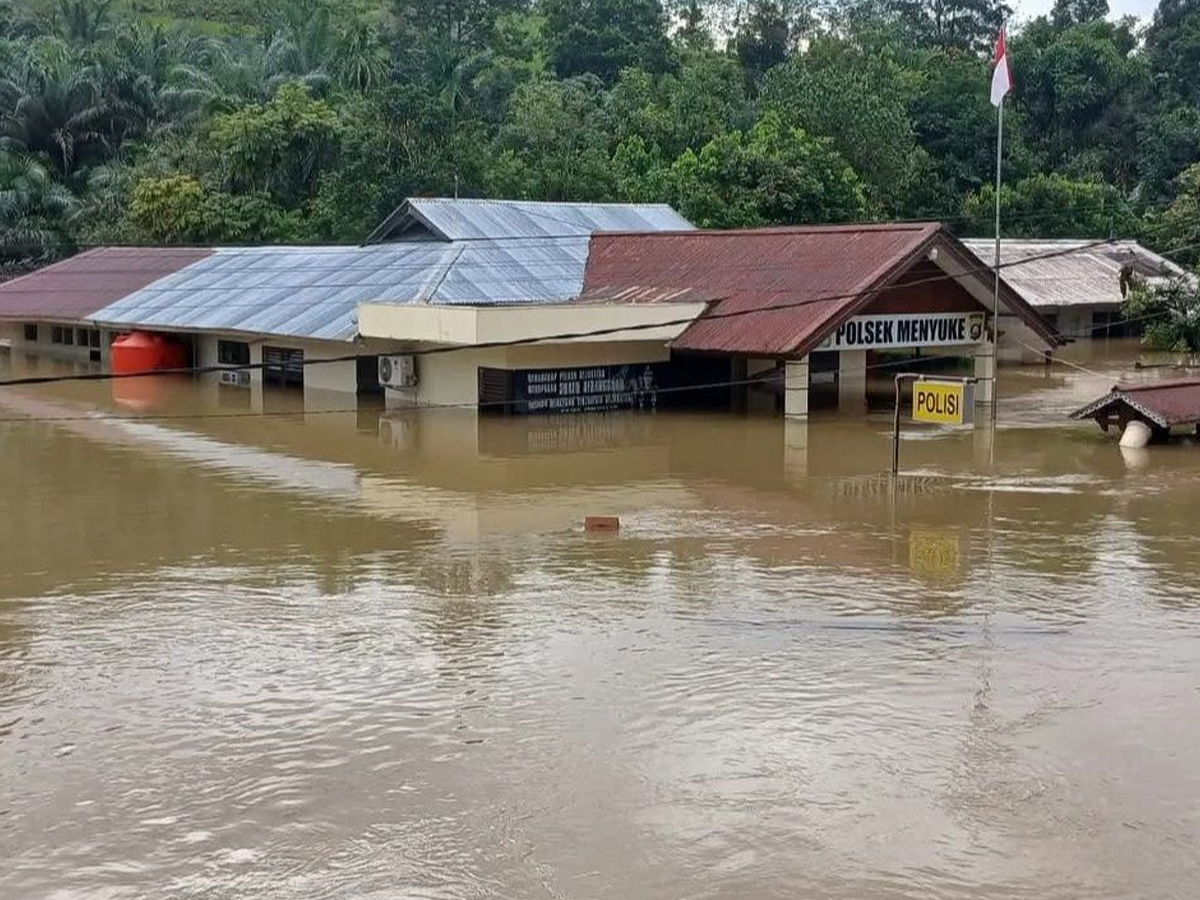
359,656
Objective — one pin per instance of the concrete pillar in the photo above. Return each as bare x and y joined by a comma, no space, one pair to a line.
985,371
852,380
795,449
795,389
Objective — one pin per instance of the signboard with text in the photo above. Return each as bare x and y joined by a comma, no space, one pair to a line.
886,332
585,389
943,402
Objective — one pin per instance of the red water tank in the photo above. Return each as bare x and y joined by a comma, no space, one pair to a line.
144,351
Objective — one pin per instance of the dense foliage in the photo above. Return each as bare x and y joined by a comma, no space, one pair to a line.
308,120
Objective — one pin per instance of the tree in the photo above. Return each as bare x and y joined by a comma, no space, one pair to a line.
1171,313
179,210
770,175
602,37
554,145
954,122
1076,12
82,21
1081,91
1168,142
279,148
1173,48
464,24
860,102
1177,231
970,25
1049,206
705,97
34,213
764,38
59,113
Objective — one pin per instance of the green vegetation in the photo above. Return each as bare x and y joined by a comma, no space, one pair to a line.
174,121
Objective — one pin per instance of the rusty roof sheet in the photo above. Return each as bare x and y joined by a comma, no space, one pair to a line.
1085,273
783,288
78,287
1164,403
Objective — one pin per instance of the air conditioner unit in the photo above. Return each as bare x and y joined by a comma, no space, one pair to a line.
398,371
236,377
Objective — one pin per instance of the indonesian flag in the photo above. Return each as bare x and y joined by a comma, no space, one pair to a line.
1001,74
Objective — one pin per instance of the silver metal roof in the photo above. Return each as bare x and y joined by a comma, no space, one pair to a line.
314,292
1087,275
468,220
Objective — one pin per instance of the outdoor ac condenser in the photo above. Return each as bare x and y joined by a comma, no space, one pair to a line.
398,371
237,377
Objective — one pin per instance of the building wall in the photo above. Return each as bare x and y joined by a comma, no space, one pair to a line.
453,378
14,334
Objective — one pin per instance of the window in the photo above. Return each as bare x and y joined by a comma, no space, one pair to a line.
94,338
31,332
233,353
282,365
56,334
81,337
68,336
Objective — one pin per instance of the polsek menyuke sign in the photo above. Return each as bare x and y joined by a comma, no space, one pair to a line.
886,332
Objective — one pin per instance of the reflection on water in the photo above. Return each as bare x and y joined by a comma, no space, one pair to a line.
355,655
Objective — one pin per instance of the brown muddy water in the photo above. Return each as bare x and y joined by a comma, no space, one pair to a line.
346,656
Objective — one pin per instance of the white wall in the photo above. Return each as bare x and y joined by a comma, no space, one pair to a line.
14,333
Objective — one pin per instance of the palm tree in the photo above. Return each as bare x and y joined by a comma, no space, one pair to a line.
82,21
60,113
34,211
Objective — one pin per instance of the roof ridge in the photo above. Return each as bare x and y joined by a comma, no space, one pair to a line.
783,229
512,202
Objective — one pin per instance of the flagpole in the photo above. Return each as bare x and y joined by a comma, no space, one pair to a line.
996,287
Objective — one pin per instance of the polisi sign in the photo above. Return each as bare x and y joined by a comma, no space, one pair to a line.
910,330
943,402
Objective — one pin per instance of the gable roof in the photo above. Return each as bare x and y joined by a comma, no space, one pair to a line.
444,219
314,292
1165,403
1086,273
783,289
76,288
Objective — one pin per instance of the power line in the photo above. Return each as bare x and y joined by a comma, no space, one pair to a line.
563,336
760,379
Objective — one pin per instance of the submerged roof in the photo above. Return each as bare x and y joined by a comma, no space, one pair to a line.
783,289
314,292
444,219
1083,273
1165,403
77,287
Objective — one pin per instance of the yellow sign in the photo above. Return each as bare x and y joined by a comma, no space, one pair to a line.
943,402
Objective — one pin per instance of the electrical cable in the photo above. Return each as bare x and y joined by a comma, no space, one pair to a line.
567,336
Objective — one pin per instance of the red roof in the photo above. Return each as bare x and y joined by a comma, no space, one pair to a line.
1165,403
761,268
78,287
780,290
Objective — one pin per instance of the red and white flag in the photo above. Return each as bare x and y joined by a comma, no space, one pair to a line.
1001,73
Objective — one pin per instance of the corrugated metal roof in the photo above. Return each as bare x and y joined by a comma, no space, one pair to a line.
77,287
314,292
757,270
1084,274
1165,403
462,220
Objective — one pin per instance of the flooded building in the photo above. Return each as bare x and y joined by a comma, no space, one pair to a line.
1078,285
51,312
552,307
821,307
